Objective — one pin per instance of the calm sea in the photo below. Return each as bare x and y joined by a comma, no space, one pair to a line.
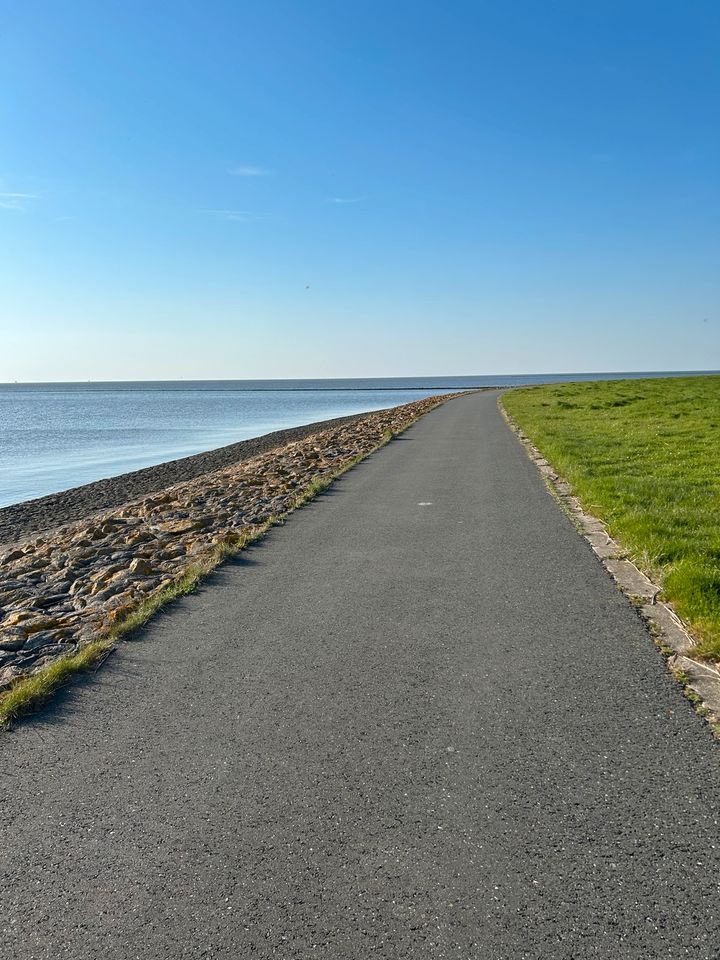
58,435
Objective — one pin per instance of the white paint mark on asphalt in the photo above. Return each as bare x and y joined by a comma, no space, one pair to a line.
425,503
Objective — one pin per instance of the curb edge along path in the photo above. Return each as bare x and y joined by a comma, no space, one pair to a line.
667,629
419,721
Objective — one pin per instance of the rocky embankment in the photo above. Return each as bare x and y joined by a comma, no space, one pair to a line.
64,588
26,519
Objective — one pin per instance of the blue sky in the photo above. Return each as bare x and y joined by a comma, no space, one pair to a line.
466,188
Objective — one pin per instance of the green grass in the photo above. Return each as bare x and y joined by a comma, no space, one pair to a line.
643,456
31,691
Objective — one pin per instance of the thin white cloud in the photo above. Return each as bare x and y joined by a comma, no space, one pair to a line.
16,201
247,170
238,216
344,199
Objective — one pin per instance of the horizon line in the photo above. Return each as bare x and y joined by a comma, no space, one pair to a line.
466,376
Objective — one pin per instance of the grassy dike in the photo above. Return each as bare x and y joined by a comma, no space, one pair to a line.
644,457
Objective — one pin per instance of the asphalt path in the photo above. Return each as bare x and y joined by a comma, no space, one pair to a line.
418,720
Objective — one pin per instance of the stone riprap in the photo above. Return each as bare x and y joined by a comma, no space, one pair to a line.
31,517
65,588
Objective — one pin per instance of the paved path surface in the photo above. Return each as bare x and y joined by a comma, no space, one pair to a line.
418,721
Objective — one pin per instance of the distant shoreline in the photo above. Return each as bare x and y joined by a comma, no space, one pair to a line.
495,381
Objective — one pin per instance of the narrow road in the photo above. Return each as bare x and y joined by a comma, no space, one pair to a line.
417,721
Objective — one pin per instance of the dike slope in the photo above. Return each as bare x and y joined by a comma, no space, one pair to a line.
20,520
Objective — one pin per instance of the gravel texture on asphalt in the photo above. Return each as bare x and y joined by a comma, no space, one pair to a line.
21,520
417,721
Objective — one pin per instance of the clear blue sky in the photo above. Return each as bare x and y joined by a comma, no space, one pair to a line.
466,187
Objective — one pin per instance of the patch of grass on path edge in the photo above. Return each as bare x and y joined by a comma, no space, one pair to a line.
30,692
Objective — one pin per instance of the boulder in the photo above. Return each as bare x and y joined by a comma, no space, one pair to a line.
12,638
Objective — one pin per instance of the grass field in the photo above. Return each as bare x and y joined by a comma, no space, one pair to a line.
644,456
